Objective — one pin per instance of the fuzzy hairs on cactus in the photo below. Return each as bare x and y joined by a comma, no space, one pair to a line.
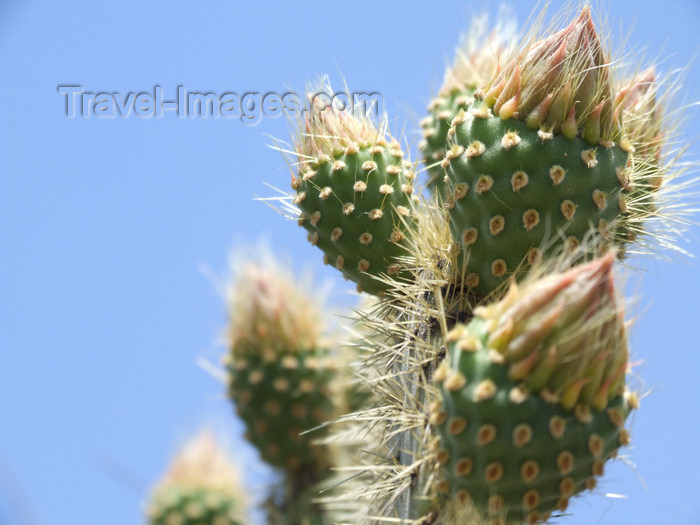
395,474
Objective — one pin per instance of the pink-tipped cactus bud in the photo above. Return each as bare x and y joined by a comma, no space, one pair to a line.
533,395
560,84
564,334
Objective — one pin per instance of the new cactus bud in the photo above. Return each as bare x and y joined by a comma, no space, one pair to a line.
280,370
534,158
478,58
354,189
560,84
534,396
200,488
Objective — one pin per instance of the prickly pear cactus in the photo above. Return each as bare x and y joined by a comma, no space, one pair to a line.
534,398
201,488
354,189
493,358
280,371
537,158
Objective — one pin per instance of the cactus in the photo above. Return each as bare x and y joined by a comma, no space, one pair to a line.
534,399
200,488
535,158
540,163
354,190
280,375
493,356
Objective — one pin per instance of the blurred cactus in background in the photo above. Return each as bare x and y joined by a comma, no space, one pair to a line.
486,381
281,374
202,486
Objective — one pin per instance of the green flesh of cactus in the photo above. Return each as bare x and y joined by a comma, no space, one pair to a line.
513,189
193,506
354,208
435,127
278,400
516,456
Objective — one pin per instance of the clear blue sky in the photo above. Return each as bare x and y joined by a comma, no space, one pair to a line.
109,229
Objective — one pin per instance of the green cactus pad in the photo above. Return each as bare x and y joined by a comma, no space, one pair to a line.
355,207
513,190
193,506
514,454
280,399
435,127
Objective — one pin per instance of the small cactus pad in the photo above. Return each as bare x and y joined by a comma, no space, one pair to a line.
201,488
192,506
525,424
514,189
354,189
279,400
